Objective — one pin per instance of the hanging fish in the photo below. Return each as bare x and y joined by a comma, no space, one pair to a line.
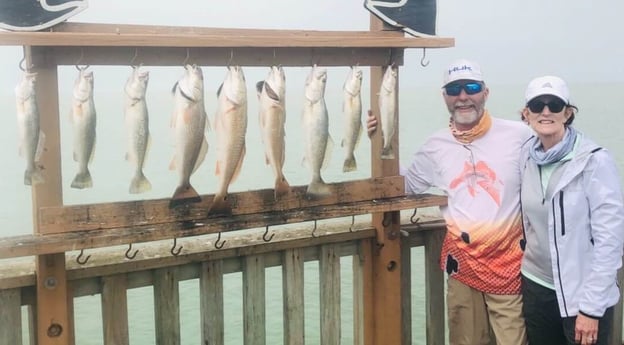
271,94
189,123
388,110
352,110
137,127
83,118
230,127
31,137
316,139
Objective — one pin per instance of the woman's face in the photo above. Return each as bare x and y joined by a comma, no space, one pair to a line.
547,116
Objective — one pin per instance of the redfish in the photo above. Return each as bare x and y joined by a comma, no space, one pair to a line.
189,123
271,94
230,128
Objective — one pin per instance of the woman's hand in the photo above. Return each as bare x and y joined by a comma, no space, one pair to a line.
585,330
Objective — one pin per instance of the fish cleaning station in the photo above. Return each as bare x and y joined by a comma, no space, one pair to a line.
133,244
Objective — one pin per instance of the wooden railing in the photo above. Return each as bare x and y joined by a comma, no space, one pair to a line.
110,274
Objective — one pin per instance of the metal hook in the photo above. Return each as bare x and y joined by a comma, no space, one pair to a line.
386,220
82,262
390,57
80,60
173,251
188,55
231,57
21,65
352,223
314,230
422,60
274,56
136,54
266,232
217,245
128,252
414,221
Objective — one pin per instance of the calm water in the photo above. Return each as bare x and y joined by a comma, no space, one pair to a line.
421,110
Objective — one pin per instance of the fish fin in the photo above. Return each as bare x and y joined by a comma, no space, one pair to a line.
220,206
259,86
328,152
282,187
202,154
183,195
139,184
82,180
349,164
239,165
387,152
271,93
318,189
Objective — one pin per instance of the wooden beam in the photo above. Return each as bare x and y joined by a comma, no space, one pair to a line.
60,242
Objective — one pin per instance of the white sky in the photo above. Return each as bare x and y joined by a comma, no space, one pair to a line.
513,40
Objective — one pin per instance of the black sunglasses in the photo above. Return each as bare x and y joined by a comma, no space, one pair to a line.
469,88
554,105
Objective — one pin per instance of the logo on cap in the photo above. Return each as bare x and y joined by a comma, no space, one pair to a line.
459,69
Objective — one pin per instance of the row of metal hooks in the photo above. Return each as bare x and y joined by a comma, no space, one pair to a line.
219,243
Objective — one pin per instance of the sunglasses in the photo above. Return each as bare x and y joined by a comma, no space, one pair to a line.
469,88
554,105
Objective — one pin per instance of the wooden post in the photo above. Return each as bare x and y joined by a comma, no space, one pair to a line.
386,311
53,298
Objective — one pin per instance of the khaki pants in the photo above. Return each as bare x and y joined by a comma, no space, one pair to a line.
477,318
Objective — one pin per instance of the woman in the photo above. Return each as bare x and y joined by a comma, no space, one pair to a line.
573,215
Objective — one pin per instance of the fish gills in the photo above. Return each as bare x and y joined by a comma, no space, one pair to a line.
189,124
231,128
137,128
352,110
31,137
316,139
83,119
272,115
388,110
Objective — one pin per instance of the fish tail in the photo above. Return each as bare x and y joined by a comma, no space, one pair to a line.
318,189
282,187
349,164
387,152
220,206
32,177
184,194
82,180
140,184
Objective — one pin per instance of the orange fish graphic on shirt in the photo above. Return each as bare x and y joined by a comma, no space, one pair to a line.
483,176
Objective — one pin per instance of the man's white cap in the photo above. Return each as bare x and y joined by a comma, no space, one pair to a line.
462,69
547,85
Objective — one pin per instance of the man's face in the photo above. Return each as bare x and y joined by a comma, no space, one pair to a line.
465,100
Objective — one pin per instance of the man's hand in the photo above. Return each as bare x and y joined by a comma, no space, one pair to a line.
371,123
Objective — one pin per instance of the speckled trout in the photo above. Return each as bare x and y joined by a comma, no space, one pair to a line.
83,118
317,142
271,95
137,128
189,123
352,111
230,128
388,110
31,137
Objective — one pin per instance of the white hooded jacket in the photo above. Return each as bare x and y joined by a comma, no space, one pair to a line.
585,230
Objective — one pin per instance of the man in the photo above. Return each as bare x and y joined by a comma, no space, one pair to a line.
475,162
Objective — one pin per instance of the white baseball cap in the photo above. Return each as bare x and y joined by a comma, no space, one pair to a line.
462,69
547,85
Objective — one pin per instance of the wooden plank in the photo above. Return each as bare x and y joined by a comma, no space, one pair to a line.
434,289
254,300
167,306
151,212
292,292
128,35
11,316
358,296
406,290
329,282
51,243
115,309
211,302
